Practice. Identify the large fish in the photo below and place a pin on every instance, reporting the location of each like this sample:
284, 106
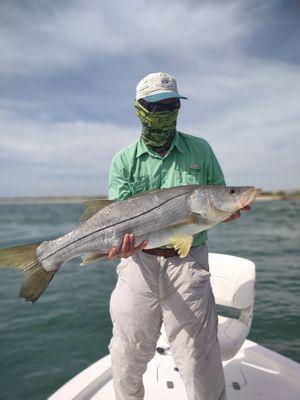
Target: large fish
162, 217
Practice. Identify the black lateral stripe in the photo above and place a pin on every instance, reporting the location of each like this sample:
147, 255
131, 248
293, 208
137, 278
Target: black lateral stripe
99, 230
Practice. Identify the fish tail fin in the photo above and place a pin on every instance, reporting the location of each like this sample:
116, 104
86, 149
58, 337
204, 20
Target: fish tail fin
23, 258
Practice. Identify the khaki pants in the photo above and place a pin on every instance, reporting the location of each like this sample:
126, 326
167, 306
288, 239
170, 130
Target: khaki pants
153, 289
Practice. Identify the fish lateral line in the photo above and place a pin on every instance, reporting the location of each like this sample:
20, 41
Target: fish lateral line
110, 226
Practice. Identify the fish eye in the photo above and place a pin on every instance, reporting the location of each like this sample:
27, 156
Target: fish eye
231, 191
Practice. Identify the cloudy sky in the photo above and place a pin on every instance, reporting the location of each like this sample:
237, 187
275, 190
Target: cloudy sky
69, 68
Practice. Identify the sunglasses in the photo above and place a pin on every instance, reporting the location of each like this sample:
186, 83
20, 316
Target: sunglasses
158, 106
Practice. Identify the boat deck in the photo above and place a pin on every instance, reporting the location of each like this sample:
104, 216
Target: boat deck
255, 373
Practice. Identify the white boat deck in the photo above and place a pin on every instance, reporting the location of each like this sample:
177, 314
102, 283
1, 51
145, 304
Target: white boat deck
255, 373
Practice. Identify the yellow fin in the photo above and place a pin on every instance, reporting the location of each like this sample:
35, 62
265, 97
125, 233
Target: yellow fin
93, 206
90, 258
182, 244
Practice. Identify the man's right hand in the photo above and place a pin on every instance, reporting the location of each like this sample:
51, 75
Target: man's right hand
127, 247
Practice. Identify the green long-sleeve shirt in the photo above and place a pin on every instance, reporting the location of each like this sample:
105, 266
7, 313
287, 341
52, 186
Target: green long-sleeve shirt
189, 160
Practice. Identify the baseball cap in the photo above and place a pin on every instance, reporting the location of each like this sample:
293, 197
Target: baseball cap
157, 86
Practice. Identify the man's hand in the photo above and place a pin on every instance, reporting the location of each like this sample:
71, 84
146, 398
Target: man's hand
237, 214
127, 247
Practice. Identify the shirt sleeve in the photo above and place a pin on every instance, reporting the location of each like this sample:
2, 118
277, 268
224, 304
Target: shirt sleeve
214, 172
118, 186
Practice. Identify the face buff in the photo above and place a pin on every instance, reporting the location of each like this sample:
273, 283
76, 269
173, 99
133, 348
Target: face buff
158, 128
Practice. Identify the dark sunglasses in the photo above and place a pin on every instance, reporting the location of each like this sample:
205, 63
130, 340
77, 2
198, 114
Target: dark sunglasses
158, 106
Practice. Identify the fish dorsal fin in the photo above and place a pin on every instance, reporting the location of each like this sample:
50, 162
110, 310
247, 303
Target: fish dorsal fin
89, 258
182, 243
93, 206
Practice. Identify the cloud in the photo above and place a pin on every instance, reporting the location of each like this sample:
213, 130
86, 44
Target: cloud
251, 118
44, 37
69, 70
65, 158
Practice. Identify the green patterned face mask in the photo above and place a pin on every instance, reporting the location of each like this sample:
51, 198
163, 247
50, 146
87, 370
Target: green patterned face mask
158, 128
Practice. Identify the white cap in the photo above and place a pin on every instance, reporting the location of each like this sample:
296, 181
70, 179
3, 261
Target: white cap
157, 86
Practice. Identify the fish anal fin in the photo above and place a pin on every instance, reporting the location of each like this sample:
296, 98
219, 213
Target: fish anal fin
93, 206
89, 258
182, 244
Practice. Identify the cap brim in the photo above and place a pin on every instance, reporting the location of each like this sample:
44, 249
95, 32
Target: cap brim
162, 96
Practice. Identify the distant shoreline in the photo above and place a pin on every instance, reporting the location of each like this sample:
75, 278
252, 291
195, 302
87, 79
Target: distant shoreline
280, 196
47, 200
268, 197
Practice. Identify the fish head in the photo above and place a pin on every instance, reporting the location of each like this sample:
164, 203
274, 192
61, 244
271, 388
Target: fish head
230, 199
219, 202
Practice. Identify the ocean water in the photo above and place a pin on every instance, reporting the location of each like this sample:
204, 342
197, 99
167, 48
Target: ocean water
42, 345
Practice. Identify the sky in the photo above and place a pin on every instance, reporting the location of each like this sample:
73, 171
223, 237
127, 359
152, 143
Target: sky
69, 69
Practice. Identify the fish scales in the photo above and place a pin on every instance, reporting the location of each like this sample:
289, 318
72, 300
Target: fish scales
151, 223
92, 235
119, 212
114, 215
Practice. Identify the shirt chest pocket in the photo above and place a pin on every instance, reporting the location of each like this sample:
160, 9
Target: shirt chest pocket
191, 177
143, 184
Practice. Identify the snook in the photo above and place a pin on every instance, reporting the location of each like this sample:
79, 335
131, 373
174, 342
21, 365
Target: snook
162, 217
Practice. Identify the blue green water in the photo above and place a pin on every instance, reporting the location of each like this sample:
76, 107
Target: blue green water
42, 345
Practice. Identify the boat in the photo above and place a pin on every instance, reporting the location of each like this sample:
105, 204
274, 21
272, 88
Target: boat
252, 372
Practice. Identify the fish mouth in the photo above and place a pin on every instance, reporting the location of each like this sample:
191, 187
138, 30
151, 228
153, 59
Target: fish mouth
248, 197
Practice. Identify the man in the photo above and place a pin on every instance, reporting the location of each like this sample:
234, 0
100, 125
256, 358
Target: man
156, 285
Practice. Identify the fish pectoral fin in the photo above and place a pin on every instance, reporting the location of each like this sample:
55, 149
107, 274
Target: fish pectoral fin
93, 206
182, 244
89, 258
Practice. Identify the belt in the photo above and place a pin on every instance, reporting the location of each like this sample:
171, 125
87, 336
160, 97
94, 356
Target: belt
162, 252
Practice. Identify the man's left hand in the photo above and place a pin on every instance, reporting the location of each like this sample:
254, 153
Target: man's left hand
237, 214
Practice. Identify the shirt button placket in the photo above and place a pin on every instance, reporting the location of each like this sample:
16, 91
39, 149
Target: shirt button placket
162, 173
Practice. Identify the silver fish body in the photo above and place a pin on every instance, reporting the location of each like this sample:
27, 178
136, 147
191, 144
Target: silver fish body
162, 217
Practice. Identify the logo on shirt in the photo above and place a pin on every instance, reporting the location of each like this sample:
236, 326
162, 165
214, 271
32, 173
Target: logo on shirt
195, 166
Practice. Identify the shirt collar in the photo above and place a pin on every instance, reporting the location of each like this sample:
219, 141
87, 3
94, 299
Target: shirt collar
142, 148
